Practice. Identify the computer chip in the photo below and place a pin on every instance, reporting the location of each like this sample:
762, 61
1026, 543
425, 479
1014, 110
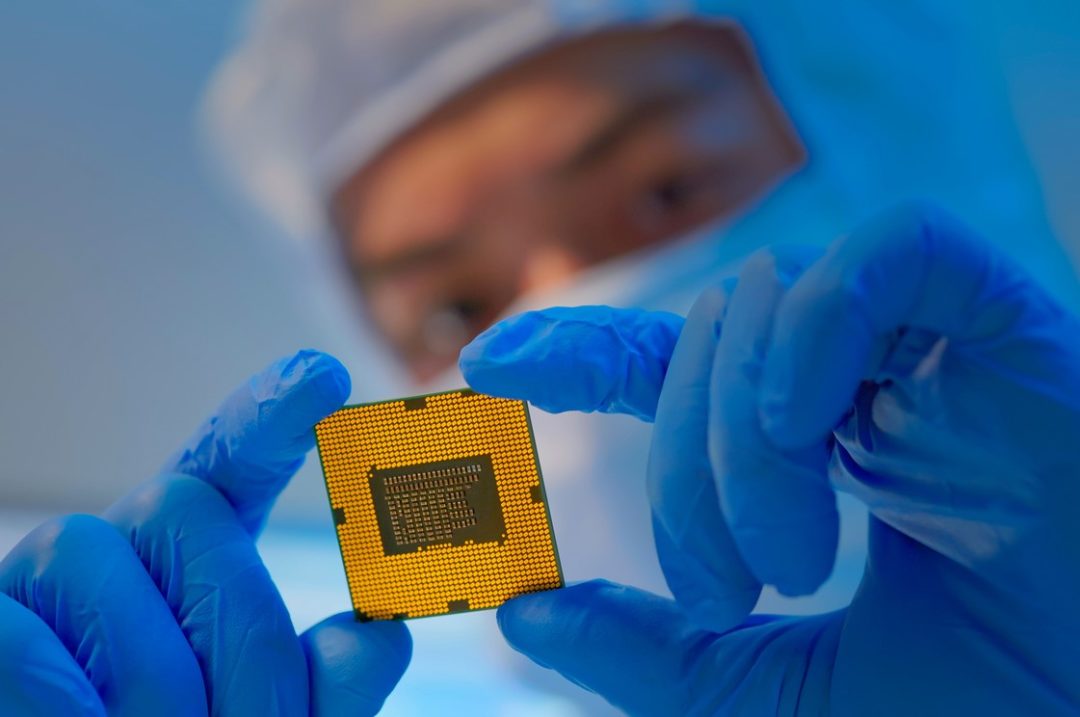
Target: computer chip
439, 504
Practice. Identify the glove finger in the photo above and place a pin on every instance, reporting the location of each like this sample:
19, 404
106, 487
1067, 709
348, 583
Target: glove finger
588, 358
778, 504
642, 654
352, 666
913, 267
257, 439
89, 588
37, 674
701, 563
624, 644
205, 564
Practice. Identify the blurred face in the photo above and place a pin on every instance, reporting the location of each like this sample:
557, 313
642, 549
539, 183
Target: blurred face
591, 150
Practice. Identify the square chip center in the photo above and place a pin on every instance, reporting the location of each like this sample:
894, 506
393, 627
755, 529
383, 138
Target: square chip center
453, 502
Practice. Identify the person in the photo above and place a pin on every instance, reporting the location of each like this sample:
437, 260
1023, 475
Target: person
456, 162
867, 128
911, 364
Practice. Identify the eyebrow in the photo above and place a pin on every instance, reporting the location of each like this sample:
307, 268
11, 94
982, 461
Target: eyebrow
600, 145
369, 271
603, 142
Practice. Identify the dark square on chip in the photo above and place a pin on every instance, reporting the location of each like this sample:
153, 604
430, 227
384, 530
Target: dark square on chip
447, 502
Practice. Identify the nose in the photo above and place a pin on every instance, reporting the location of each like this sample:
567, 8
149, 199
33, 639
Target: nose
547, 266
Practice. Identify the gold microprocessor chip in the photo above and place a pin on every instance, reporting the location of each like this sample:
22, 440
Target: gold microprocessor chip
439, 504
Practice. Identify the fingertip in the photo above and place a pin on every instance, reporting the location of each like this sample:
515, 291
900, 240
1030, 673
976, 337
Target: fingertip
632, 648
535, 623
519, 618
490, 361
475, 365
472, 354
504, 338
708, 578
796, 558
353, 666
585, 358
288, 399
324, 375
341, 637
394, 641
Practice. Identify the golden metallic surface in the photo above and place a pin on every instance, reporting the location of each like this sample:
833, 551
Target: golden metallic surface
360, 445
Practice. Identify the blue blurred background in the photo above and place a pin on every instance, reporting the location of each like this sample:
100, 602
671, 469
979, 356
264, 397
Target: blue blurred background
136, 289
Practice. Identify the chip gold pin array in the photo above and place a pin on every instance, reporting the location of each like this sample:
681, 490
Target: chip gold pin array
439, 504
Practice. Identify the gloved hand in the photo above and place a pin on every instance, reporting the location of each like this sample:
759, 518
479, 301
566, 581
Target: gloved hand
910, 365
164, 606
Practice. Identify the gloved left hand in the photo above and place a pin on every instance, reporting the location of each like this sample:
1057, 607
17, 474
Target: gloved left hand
164, 606
912, 366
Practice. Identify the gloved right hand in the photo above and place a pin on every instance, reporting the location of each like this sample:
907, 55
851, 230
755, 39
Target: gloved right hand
164, 606
911, 366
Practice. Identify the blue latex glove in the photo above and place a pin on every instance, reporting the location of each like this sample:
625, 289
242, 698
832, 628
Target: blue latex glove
164, 606
912, 366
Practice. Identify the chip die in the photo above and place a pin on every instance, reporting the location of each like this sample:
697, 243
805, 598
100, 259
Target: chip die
438, 503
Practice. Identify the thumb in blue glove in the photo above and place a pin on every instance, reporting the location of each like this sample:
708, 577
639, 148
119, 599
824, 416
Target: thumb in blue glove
961, 443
